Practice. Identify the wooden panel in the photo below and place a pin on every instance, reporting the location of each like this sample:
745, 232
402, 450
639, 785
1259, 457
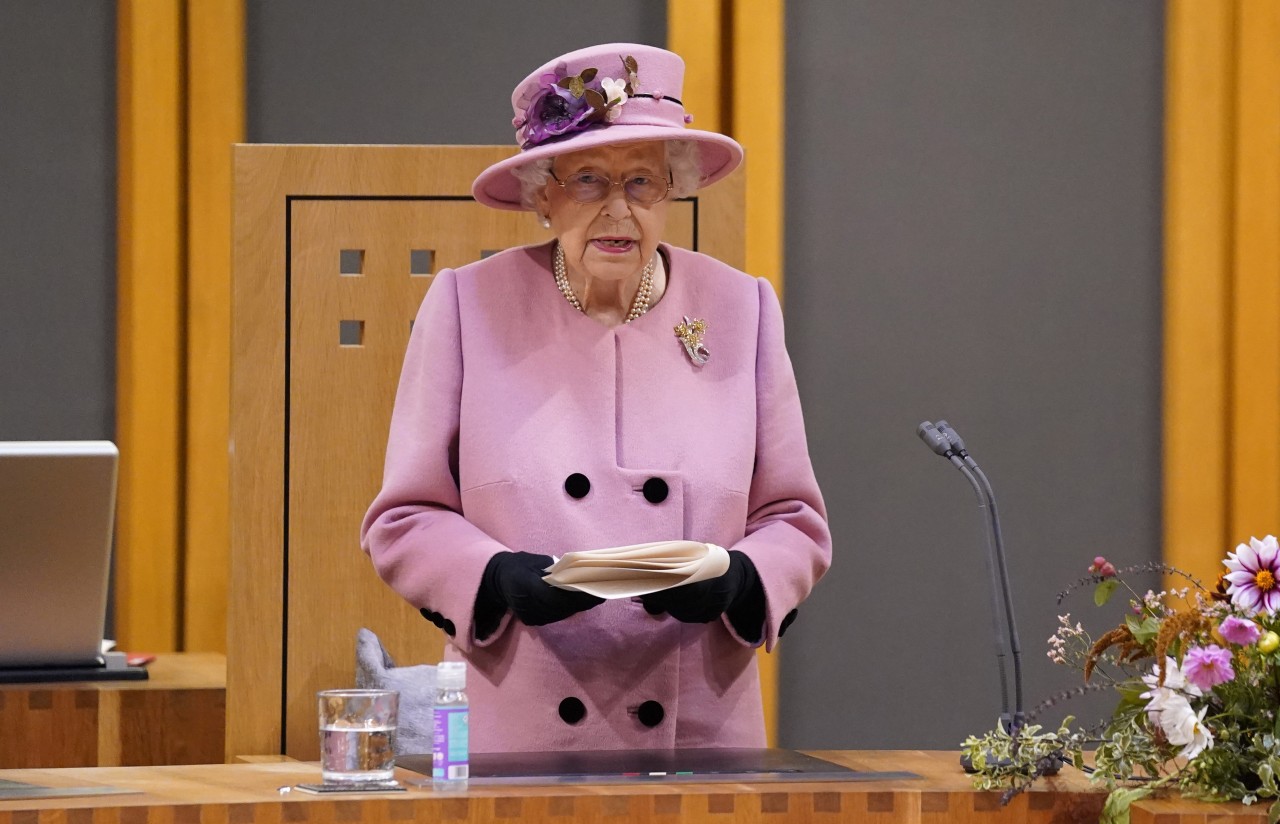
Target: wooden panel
339, 402
215, 118
734, 64
759, 66
43, 726
340, 411
148, 323
1198, 213
695, 31
175, 717
265, 176
1255, 465
721, 230
759, 69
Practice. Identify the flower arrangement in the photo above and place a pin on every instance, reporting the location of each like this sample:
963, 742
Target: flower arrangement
562, 104
1197, 672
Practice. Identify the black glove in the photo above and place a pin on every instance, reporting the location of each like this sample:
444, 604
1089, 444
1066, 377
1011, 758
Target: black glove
513, 580
737, 592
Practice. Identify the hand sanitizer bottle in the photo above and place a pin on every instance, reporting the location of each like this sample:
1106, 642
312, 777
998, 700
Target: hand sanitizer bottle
450, 749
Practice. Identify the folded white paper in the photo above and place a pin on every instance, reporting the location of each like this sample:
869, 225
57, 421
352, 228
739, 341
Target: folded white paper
629, 571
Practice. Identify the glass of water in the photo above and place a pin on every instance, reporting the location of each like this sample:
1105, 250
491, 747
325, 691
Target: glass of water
357, 735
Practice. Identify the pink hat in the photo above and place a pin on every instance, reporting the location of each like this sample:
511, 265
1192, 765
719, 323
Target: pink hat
616, 93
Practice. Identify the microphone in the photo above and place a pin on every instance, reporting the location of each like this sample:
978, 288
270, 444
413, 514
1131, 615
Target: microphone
946, 442
996, 544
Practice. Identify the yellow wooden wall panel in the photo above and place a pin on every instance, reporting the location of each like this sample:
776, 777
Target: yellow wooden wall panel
755, 85
694, 31
215, 117
1255, 483
758, 71
1198, 237
734, 67
149, 322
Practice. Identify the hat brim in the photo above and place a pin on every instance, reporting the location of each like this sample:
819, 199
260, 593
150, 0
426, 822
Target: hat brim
498, 187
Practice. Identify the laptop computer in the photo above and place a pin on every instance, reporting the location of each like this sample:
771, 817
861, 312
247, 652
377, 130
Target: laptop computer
57, 512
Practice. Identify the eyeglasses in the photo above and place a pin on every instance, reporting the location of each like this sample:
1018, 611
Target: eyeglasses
592, 187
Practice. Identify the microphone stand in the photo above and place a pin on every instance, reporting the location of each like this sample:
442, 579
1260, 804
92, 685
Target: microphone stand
944, 440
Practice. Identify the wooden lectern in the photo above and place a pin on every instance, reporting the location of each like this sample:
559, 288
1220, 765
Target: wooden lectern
334, 248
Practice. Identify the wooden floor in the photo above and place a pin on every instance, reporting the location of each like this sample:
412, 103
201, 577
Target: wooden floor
245, 793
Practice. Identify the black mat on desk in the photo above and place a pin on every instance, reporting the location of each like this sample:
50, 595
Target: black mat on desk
626, 766
62, 675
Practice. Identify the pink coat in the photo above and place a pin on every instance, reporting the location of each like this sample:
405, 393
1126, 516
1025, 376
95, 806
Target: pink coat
506, 392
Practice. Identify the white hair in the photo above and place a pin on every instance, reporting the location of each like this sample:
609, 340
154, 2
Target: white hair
683, 158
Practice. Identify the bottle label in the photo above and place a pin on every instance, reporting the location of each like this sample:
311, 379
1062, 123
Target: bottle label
450, 744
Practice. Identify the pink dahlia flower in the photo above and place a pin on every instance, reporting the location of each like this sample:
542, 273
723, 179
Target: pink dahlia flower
1254, 579
1239, 631
1207, 667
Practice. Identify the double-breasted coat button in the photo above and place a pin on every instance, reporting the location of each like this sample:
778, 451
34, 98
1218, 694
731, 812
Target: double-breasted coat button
572, 710
440, 621
577, 485
655, 490
650, 713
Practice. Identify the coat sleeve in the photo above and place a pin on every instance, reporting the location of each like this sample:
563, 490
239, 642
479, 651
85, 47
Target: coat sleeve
787, 538
414, 531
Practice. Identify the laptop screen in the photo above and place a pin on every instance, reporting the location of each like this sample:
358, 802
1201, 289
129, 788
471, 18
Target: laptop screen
57, 512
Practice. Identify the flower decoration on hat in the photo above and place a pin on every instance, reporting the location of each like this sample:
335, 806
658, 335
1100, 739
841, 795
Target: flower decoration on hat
562, 104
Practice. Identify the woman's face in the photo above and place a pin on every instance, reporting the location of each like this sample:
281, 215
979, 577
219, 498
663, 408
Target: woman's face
611, 239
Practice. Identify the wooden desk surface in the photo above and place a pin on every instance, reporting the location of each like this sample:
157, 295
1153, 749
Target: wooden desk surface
177, 716
248, 794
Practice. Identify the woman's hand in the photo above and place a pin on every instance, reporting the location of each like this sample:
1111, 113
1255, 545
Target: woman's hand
737, 592
515, 578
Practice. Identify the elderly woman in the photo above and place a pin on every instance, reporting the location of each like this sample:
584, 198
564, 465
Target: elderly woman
600, 390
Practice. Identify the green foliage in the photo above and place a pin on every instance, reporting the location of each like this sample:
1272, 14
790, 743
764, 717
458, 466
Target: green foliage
1116, 810
1234, 753
1102, 593
1144, 630
1005, 764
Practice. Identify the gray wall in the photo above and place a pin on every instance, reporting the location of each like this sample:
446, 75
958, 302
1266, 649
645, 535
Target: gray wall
415, 71
973, 233
57, 220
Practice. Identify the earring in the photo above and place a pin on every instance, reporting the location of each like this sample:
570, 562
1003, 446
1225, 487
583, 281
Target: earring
545, 221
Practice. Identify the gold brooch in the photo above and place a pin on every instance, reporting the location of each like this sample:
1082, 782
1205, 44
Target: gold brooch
690, 334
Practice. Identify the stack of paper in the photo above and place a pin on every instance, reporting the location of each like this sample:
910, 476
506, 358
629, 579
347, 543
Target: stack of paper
629, 571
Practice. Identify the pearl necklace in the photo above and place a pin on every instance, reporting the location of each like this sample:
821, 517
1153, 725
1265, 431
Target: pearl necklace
639, 305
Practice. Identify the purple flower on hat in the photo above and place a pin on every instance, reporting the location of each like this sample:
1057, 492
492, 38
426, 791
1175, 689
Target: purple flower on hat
560, 104
552, 111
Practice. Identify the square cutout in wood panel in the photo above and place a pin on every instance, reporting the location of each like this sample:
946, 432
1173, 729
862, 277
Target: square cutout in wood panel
351, 333
422, 262
351, 263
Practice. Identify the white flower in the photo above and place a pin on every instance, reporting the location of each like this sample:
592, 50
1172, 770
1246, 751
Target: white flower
614, 91
1169, 709
1174, 680
1192, 732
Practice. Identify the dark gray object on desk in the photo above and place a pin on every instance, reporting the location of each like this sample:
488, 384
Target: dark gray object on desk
710, 765
16, 790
